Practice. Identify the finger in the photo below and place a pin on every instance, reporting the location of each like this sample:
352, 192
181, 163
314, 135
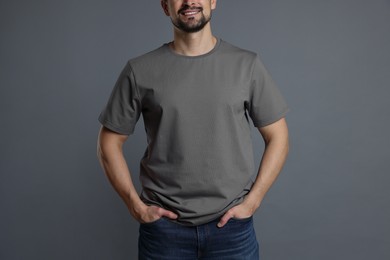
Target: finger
168, 214
222, 222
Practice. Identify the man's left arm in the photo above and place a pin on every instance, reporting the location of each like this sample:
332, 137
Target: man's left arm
275, 153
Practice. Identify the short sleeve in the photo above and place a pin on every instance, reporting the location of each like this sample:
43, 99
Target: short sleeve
123, 108
266, 104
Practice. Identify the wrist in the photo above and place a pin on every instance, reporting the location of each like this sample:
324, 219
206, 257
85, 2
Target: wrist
252, 201
135, 204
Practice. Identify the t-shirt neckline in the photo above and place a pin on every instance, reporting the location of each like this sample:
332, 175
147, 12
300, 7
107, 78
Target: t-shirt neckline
166, 45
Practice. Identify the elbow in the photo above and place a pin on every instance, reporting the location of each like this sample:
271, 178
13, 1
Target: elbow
100, 152
109, 145
285, 142
287, 146
101, 147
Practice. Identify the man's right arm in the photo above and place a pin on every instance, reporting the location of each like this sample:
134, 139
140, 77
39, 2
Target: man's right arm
110, 154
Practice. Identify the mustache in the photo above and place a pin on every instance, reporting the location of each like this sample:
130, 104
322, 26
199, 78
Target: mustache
187, 7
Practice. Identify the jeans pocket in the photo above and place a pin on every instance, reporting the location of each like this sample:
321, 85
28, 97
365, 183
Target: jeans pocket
153, 222
248, 219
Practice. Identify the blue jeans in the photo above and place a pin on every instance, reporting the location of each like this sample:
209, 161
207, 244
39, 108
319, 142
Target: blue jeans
164, 239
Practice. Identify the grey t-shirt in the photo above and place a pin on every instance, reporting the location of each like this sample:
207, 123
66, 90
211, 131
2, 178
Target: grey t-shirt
199, 161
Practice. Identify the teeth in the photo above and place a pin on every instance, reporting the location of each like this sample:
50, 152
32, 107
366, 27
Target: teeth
190, 13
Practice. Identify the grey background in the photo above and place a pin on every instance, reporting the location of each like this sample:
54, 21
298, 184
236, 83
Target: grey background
60, 59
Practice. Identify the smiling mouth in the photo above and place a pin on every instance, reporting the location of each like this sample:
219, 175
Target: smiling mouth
190, 11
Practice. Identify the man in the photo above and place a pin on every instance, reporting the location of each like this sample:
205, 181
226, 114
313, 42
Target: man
197, 95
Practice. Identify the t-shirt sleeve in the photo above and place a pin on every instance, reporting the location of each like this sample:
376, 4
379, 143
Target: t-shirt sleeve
266, 104
123, 108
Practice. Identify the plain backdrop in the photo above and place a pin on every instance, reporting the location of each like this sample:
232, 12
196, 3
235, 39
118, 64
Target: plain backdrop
60, 59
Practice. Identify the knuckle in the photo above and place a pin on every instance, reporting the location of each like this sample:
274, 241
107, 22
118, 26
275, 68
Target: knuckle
159, 211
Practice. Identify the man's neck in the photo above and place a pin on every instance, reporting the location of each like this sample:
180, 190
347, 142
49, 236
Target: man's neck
193, 44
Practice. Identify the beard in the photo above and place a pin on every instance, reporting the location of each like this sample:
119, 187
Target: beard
192, 25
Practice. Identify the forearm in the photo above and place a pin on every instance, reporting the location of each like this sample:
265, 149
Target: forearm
272, 162
274, 156
119, 176
115, 167
275, 153
114, 164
